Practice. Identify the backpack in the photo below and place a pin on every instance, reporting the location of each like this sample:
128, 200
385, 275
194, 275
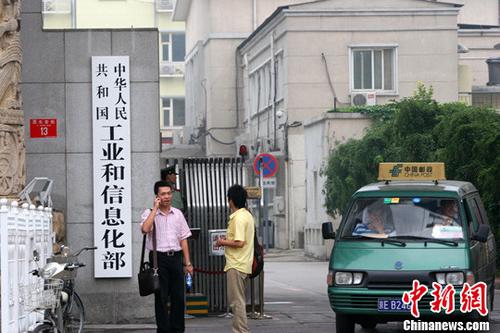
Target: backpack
258, 257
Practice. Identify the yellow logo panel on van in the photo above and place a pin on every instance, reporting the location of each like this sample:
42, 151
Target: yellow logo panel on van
411, 171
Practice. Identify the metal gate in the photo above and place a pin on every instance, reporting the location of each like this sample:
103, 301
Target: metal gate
205, 182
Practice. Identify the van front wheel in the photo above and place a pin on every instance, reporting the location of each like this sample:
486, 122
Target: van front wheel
345, 324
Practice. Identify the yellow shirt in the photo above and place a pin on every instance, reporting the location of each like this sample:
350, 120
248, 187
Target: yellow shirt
241, 227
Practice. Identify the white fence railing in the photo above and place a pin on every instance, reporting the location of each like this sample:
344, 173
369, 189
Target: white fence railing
22, 230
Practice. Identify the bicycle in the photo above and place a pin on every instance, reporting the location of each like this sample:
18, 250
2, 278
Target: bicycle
62, 306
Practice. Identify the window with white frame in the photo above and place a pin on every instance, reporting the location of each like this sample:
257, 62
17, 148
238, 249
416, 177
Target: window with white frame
173, 112
260, 88
373, 68
173, 46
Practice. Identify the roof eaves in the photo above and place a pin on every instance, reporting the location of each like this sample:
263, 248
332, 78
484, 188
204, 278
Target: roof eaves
445, 3
262, 26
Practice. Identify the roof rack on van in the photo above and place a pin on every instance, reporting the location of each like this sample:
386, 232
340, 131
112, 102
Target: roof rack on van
432, 171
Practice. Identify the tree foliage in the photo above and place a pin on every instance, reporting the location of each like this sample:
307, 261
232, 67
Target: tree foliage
418, 129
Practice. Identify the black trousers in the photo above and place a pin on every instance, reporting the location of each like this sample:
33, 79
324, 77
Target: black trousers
171, 273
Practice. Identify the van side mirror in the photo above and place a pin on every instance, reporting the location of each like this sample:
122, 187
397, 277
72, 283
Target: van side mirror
327, 230
482, 233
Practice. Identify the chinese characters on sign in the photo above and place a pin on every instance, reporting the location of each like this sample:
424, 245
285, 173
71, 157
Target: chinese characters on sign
43, 128
411, 171
111, 157
471, 298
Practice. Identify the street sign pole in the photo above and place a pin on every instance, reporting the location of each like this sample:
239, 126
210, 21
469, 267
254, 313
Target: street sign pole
261, 201
260, 168
266, 222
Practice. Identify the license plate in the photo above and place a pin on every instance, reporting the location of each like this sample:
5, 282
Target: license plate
392, 305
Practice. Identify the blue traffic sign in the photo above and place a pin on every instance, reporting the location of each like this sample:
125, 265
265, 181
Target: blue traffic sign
268, 163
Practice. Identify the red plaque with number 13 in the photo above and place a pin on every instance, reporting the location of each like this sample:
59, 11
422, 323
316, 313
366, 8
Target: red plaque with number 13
43, 128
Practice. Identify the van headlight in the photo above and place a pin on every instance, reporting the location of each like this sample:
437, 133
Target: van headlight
454, 278
348, 278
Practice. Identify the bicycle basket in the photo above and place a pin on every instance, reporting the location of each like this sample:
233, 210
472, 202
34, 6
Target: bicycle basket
41, 295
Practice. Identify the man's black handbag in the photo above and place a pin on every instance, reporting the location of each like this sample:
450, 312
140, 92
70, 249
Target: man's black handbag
149, 280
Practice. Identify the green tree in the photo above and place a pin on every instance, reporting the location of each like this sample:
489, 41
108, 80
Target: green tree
418, 129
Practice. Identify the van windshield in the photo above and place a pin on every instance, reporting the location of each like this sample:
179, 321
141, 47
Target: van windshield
407, 218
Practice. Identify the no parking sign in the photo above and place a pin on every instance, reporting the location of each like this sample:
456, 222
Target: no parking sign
269, 165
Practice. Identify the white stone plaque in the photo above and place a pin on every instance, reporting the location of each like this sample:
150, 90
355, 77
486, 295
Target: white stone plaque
111, 157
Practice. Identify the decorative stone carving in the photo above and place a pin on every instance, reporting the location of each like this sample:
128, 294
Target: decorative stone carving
12, 160
12, 150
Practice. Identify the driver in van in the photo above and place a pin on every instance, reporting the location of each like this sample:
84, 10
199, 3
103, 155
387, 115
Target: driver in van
377, 219
449, 210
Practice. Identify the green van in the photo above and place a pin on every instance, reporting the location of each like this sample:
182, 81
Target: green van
413, 225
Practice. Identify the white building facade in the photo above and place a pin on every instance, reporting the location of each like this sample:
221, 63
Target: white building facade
296, 64
258, 71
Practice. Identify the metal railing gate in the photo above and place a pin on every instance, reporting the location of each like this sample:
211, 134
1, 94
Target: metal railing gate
205, 182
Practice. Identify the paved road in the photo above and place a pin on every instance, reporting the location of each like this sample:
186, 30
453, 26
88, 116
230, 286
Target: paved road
295, 298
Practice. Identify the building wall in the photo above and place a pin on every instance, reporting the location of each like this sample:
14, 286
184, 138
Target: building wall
321, 136
481, 45
124, 14
56, 83
425, 43
197, 24
115, 14
484, 12
426, 49
214, 29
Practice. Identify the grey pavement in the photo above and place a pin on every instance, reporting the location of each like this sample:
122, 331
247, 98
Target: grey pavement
295, 300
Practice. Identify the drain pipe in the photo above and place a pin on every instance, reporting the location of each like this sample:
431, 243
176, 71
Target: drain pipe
273, 89
254, 16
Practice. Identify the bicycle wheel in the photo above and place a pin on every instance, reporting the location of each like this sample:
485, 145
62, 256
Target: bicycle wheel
74, 315
44, 328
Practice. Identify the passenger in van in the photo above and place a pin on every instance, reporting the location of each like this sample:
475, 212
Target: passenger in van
376, 220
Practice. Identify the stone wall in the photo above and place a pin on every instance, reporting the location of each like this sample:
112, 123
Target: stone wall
56, 84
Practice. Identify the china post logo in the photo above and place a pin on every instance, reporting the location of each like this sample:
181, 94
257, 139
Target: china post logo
396, 170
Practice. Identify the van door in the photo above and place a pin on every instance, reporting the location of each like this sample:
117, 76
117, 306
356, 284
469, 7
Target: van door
490, 246
483, 257
476, 248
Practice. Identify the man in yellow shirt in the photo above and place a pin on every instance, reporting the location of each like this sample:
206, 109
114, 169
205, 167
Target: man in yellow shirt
239, 254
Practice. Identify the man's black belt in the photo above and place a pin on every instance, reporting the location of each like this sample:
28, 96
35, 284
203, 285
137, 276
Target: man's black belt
169, 253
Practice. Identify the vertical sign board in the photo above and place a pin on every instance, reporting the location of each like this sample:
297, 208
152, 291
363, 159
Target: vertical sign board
111, 156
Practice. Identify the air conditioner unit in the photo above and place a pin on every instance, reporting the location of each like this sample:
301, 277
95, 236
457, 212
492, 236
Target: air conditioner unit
56, 6
167, 68
365, 98
172, 68
164, 5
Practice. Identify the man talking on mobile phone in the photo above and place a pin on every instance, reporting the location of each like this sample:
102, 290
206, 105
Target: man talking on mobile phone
172, 249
